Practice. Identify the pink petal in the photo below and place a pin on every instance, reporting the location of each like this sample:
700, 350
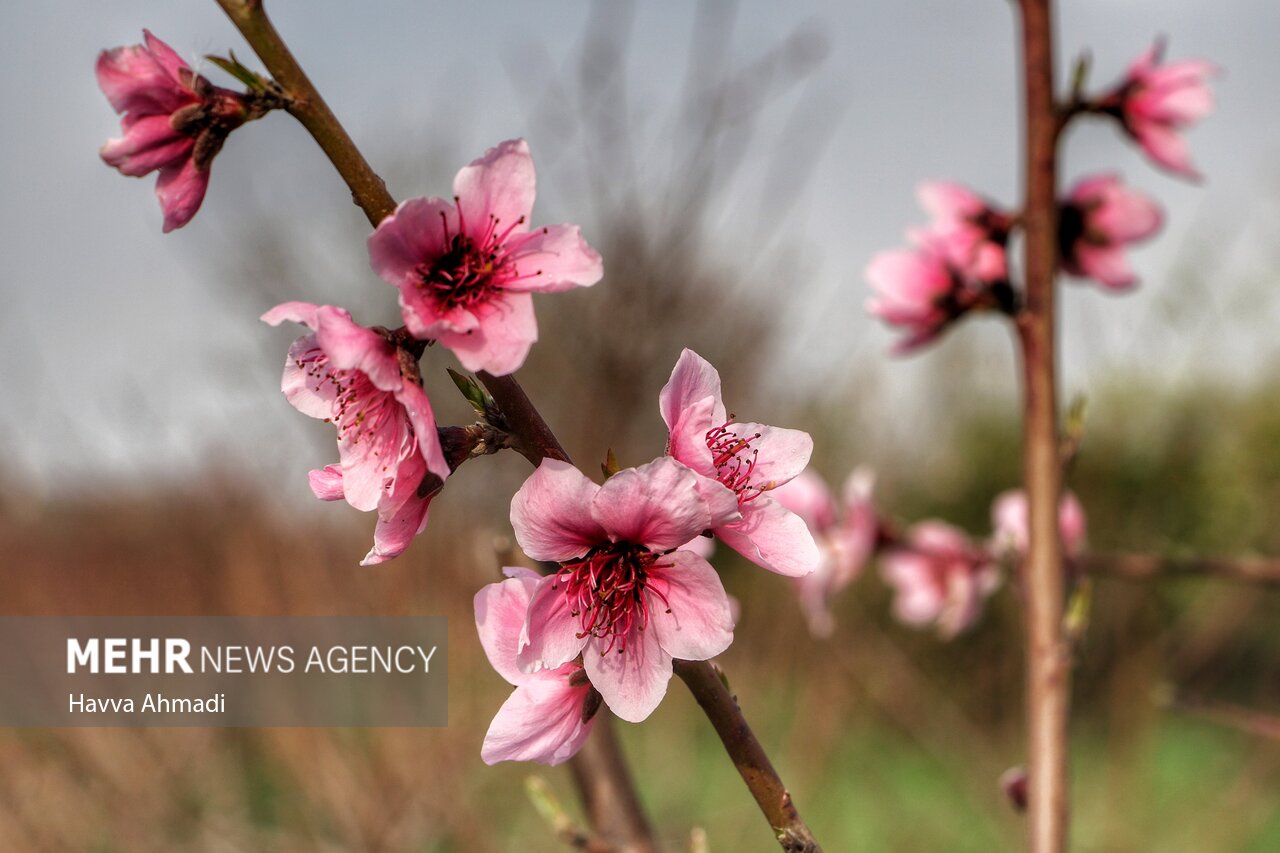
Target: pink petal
551, 513
166, 56
295, 312
550, 636
772, 537
555, 258
808, 497
1126, 215
500, 185
326, 483
500, 343
415, 233
311, 394
661, 505
688, 607
1167, 148
136, 81
418, 409
949, 201
351, 346
500, 610
918, 598
181, 189
148, 144
783, 453
908, 281
631, 681
687, 441
403, 518
1107, 265
692, 380
541, 721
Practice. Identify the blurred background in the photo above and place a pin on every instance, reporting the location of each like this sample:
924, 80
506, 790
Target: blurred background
736, 164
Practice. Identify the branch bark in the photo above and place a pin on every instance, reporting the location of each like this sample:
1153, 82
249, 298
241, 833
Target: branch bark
721, 708
599, 769
1047, 654
1148, 566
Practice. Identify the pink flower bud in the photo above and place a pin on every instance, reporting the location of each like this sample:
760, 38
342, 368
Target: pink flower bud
1098, 219
1155, 102
175, 122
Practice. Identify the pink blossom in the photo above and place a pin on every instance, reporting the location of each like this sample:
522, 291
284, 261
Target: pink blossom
750, 459
467, 271
951, 270
846, 535
389, 450
940, 577
954, 205
1009, 518
1156, 101
625, 597
1098, 219
174, 122
550, 713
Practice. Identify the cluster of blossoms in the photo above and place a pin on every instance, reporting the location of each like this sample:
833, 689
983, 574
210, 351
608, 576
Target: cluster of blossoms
941, 577
631, 590
957, 263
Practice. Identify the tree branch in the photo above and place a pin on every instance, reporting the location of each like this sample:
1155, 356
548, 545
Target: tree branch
1048, 657
721, 708
1148, 566
604, 782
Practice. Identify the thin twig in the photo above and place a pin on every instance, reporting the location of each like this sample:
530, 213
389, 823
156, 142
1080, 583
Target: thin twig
599, 769
1149, 566
1048, 657
721, 708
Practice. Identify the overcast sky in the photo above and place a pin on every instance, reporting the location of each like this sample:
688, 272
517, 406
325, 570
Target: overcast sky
122, 358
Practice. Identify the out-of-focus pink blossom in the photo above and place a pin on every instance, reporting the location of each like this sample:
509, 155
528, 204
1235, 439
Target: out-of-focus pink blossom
626, 597
1156, 101
1098, 220
174, 122
950, 270
954, 205
940, 578
846, 537
389, 450
549, 715
466, 271
1009, 520
748, 458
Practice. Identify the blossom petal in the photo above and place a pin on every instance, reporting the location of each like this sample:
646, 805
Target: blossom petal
692, 380
773, 537
540, 721
631, 678
550, 636
326, 483
688, 607
500, 610
415, 233
555, 258
661, 505
497, 188
551, 513
782, 453
506, 332
181, 188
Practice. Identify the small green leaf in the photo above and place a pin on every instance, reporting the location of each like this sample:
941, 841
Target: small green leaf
474, 394
610, 465
233, 67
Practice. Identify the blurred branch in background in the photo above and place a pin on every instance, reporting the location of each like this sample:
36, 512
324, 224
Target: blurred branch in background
1149, 567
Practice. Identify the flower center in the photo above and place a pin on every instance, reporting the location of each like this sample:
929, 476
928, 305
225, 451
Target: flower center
735, 460
474, 265
606, 591
361, 411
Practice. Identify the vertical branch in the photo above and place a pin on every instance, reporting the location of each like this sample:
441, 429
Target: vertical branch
1048, 662
599, 769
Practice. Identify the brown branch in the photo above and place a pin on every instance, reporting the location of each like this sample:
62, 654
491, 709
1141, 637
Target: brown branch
721, 708
599, 769
1147, 566
1048, 656
1247, 720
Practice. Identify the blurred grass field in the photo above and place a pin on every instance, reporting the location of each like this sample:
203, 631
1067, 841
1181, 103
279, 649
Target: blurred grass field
890, 739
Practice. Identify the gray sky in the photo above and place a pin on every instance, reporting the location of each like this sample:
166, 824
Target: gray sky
123, 357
